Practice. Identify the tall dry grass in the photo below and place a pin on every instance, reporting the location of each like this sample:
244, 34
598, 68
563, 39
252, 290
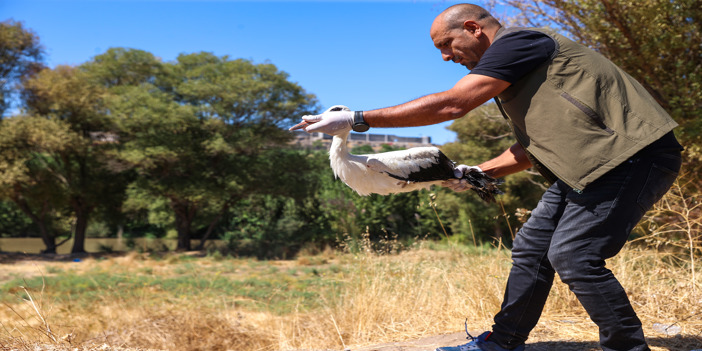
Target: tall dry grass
381, 297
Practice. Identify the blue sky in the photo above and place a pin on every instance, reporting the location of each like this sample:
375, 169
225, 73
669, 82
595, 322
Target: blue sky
363, 54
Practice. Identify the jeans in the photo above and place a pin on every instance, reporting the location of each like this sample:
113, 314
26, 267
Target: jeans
573, 234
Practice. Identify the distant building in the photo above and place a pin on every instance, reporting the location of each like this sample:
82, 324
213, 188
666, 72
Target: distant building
321, 140
104, 137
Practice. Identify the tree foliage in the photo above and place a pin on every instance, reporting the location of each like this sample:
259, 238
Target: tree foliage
203, 132
31, 172
67, 96
21, 56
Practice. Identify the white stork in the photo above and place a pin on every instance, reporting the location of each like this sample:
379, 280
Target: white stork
400, 171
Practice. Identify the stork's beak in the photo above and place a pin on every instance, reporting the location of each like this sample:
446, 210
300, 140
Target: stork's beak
300, 125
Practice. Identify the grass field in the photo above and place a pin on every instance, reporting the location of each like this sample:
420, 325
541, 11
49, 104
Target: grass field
322, 301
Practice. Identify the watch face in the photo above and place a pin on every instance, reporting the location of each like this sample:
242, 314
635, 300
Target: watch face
360, 127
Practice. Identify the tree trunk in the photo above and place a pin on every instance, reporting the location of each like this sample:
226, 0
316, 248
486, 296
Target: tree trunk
120, 234
210, 228
183, 227
79, 235
46, 235
81, 225
184, 213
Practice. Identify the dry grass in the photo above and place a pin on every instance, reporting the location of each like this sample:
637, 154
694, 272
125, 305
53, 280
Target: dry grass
374, 298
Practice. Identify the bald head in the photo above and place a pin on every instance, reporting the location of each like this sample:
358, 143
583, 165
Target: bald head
454, 16
463, 32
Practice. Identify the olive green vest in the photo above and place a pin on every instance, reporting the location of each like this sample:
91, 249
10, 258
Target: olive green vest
579, 115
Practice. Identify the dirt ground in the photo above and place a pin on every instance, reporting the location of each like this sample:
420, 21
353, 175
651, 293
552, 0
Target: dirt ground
432, 342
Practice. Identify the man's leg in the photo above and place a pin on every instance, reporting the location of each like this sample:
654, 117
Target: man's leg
531, 276
594, 227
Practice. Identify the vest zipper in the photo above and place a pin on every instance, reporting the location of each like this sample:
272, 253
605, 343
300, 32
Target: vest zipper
590, 113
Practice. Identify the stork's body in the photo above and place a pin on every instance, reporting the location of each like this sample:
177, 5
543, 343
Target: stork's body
399, 171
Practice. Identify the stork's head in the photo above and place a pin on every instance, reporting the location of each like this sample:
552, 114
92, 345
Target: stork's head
336, 108
338, 148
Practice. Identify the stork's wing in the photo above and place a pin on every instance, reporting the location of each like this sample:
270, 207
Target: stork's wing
418, 164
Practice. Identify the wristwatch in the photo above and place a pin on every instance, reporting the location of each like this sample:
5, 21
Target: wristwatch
359, 124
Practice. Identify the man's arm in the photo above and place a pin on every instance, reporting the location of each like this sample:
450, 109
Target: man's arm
470, 92
511, 161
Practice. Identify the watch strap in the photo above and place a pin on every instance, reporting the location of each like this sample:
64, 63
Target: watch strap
358, 117
359, 124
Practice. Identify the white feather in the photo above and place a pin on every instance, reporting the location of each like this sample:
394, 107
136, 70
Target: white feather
368, 174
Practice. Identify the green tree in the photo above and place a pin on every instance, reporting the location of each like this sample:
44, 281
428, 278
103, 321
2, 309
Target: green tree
14, 223
31, 174
278, 224
21, 56
85, 171
203, 132
362, 149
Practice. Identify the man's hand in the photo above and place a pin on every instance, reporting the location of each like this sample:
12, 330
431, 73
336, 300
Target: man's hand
460, 184
336, 120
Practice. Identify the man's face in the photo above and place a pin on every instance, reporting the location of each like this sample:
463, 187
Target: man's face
459, 45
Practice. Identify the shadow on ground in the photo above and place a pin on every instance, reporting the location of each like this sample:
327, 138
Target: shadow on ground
672, 343
677, 342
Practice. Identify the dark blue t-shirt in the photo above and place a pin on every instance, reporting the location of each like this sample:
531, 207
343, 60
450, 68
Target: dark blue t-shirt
515, 54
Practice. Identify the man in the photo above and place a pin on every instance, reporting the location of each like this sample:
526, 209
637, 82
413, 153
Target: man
594, 132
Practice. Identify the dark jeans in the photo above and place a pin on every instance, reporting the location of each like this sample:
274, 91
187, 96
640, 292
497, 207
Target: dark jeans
573, 234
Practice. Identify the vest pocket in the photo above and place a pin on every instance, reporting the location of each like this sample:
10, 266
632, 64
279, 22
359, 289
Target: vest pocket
594, 117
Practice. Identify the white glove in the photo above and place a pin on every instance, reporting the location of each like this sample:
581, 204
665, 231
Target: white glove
460, 184
336, 120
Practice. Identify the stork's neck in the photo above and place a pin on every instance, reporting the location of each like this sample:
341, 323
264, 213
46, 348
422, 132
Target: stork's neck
338, 146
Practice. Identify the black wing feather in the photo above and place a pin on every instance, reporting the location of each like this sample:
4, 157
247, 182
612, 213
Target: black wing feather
442, 169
